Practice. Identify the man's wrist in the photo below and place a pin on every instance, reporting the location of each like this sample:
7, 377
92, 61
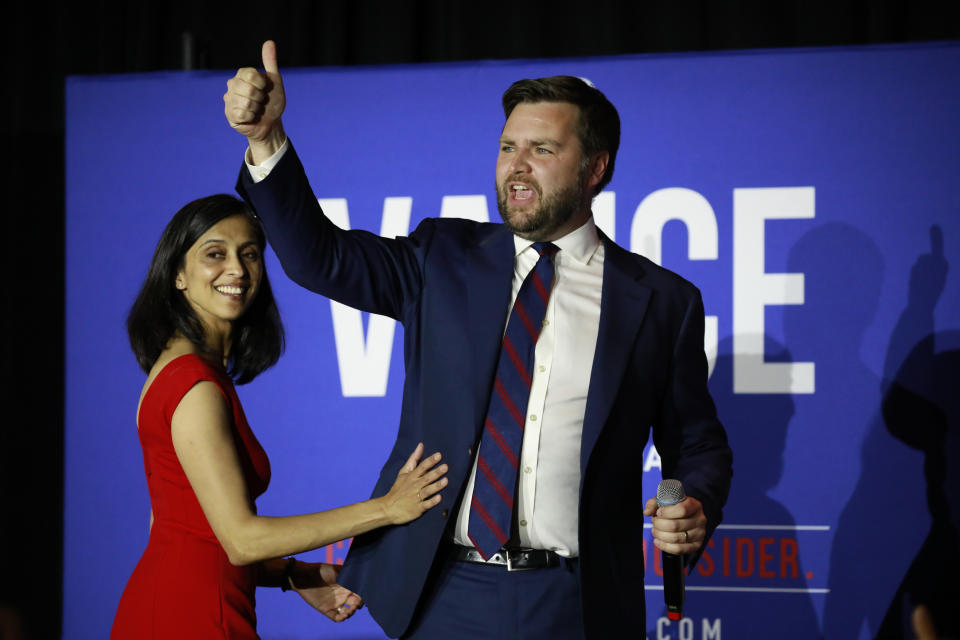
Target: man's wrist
262, 150
260, 171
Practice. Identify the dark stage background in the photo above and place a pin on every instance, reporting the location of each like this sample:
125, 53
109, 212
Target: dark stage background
46, 42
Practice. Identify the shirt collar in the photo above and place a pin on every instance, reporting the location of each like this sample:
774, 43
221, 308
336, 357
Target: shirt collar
580, 244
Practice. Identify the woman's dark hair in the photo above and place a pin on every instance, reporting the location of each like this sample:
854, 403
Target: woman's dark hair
160, 311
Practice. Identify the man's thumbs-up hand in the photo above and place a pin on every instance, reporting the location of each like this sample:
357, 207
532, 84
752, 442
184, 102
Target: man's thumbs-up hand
254, 102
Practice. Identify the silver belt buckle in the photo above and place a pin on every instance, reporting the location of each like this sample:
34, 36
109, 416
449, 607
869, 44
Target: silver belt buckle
510, 567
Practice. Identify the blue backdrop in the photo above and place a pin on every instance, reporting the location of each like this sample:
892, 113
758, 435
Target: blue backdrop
810, 194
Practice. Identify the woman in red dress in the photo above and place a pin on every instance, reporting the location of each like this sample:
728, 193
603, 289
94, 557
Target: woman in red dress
205, 317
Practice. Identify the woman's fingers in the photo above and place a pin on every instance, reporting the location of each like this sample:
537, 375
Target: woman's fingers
411, 462
427, 463
432, 488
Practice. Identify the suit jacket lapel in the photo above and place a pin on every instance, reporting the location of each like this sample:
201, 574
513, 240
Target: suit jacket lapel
623, 304
489, 280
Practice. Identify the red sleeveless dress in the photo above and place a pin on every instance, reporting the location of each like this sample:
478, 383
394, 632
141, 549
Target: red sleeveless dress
184, 587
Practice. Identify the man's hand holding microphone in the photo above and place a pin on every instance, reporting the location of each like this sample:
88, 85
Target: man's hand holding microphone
679, 528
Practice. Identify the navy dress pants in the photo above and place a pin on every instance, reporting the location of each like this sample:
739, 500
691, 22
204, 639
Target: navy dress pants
468, 601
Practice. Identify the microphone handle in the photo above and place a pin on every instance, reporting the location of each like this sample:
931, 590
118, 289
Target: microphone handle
673, 584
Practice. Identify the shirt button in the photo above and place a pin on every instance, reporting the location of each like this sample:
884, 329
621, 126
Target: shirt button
528, 469
523, 523
533, 417
545, 322
542, 368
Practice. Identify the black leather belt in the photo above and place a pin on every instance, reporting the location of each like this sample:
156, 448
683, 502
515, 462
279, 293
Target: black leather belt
512, 559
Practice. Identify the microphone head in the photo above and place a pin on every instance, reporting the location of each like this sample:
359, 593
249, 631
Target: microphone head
670, 492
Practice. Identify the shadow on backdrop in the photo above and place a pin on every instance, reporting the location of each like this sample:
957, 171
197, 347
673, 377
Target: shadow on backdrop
921, 408
883, 524
757, 426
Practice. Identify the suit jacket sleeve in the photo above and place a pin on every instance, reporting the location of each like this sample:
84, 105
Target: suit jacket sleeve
357, 268
690, 439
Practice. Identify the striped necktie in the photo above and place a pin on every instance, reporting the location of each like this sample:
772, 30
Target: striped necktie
491, 508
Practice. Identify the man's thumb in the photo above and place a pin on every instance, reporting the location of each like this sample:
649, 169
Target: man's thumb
269, 54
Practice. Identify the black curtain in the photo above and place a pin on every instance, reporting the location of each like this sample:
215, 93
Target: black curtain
47, 41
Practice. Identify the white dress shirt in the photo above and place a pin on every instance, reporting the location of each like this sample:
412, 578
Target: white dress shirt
547, 511
549, 474
260, 171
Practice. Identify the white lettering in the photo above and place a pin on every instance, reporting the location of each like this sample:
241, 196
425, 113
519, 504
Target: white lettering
364, 361
396, 217
661, 624
711, 631
711, 339
605, 213
675, 203
753, 289
364, 364
646, 238
652, 461
469, 207
336, 211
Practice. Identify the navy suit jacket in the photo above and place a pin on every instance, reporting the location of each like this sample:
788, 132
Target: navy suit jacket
449, 284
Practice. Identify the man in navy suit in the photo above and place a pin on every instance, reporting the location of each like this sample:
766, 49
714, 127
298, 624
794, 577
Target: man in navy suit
620, 354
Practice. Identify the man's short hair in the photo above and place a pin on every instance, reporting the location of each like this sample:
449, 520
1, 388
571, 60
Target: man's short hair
598, 127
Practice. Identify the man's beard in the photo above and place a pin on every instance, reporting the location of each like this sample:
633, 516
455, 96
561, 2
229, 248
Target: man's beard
550, 215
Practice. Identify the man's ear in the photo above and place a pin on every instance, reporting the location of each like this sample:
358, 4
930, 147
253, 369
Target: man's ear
597, 168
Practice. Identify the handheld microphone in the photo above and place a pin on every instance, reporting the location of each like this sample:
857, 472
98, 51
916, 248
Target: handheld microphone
671, 492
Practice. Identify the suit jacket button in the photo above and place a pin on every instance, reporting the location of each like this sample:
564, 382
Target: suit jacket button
469, 451
444, 513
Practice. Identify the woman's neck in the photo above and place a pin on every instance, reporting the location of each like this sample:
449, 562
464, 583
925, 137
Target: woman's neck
217, 341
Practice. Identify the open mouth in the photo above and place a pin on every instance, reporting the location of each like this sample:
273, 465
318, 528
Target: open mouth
521, 192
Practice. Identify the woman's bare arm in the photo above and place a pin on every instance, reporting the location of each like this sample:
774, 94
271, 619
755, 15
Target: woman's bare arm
202, 438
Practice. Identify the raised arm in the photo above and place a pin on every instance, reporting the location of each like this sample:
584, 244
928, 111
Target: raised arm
202, 438
357, 268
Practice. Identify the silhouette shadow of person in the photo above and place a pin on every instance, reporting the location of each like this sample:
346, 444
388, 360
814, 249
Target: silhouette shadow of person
757, 426
921, 408
747, 558
880, 537
869, 552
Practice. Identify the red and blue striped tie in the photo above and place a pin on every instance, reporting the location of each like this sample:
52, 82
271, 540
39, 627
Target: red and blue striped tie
491, 509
